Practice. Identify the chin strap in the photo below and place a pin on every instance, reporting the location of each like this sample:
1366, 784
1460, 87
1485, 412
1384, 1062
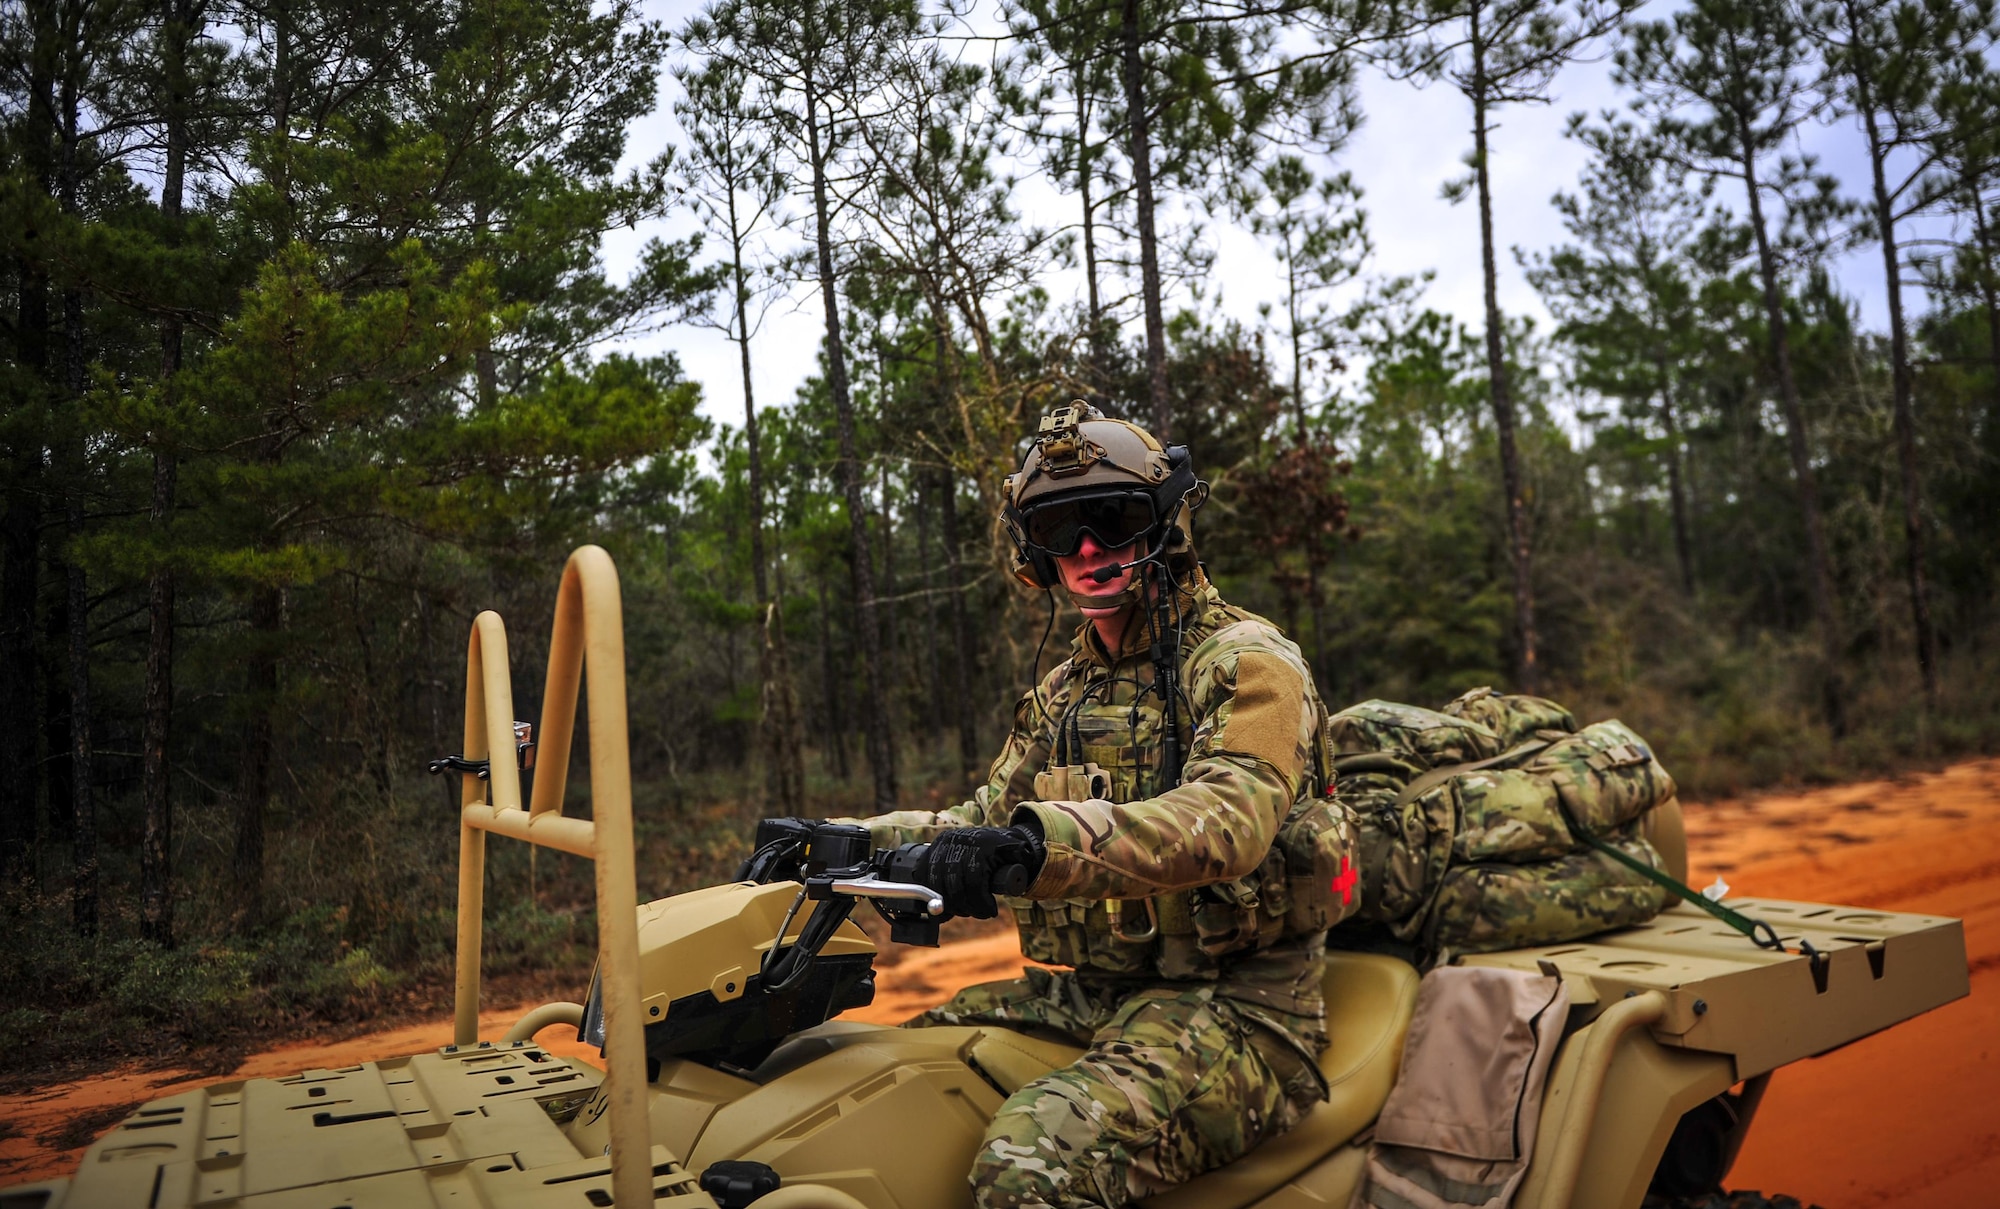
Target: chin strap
1133, 593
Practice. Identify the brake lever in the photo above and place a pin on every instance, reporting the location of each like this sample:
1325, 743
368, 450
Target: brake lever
870, 886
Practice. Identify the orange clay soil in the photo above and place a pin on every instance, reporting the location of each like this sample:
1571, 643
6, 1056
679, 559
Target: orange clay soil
1906, 1118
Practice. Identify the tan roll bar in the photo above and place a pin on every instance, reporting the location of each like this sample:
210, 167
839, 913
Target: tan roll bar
589, 631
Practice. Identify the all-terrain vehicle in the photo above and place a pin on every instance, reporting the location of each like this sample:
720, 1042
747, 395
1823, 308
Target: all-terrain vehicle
728, 1080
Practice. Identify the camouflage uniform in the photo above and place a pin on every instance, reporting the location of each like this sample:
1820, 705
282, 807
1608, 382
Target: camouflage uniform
1201, 1015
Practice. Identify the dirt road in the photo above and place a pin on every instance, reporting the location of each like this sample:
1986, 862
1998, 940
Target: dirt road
1908, 1117
1905, 1119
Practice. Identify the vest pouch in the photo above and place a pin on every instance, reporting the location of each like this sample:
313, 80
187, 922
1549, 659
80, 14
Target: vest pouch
1054, 931
1072, 783
1105, 949
1226, 916
1606, 776
1321, 865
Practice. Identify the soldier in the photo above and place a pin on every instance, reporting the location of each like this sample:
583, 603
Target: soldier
1144, 787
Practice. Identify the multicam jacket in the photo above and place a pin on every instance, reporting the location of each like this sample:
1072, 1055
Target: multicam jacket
1147, 878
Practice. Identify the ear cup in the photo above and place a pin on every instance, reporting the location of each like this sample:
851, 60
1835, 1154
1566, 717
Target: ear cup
1171, 493
1033, 566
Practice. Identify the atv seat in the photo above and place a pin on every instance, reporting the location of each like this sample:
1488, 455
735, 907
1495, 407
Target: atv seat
1369, 999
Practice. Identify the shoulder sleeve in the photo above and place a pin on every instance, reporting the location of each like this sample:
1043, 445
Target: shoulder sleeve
1254, 712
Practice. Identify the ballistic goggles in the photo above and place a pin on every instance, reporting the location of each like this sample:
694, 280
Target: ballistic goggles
1115, 519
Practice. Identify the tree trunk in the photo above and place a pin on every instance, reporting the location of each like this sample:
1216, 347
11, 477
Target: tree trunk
836, 734
1986, 293
485, 366
20, 572
751, 436
785, 774
874, 715
83, 802
1676, 488
54, 667
1316, 614
926, 629
156, 851
892, 662
156, 845
1083, 174
1905, 416
1677, 492
1520, 553
961, 626
266, 620
253, 782
1298, 332
1141, 155
1824, 604
777, 714
24, 488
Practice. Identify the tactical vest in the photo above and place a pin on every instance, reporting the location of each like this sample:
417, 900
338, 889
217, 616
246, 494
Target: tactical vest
1105, 741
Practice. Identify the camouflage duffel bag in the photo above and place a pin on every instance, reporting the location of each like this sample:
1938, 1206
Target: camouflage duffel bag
1472, 821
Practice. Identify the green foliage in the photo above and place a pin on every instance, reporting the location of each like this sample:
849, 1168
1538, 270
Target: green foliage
130, 996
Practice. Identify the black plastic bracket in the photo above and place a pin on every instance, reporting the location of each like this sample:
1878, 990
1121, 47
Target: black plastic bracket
736, 1183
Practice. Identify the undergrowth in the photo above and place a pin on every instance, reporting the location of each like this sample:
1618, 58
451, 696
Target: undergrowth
351, 933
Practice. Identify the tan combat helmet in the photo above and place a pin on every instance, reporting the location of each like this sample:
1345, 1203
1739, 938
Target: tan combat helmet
1086, 473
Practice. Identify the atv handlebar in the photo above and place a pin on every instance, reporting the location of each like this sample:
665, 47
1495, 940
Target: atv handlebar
840, 861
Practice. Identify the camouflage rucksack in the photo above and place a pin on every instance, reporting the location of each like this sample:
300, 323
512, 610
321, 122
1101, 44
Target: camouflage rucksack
1469, 822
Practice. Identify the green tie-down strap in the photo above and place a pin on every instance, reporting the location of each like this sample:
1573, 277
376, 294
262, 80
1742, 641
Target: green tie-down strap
1761, 934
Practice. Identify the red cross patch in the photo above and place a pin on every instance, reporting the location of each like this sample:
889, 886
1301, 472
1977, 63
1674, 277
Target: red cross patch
1345, 882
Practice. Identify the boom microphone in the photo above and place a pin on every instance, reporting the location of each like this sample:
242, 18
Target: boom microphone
1103, 574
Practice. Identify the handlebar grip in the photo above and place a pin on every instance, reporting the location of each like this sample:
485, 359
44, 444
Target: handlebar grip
1012, 880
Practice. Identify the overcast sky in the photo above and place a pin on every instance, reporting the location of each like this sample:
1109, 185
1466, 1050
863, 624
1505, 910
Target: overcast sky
1411, 141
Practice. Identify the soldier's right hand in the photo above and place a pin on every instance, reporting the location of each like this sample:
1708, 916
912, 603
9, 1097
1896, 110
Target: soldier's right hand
962, 863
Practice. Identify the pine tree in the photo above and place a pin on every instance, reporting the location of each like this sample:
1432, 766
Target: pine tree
1735, 67
818, 68
1885, 63
731, 179
1504, 52
1623, 294
1201, 90
1322, 238
1965, 143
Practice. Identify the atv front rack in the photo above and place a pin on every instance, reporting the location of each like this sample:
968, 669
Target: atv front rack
589, 630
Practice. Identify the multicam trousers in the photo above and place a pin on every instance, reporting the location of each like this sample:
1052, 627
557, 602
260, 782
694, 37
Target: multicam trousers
1175, 1081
